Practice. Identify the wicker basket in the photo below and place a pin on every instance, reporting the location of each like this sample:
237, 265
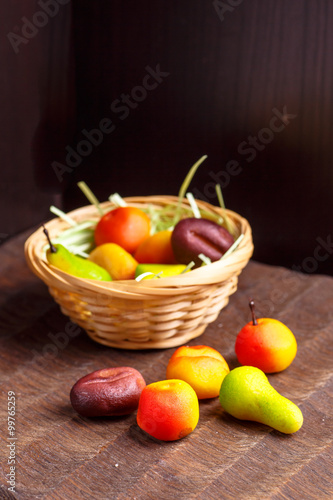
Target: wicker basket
151, 314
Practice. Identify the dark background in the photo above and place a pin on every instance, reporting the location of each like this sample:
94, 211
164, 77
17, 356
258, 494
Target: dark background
226, 69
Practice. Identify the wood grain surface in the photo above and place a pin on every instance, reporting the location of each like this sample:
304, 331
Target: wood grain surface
60, 455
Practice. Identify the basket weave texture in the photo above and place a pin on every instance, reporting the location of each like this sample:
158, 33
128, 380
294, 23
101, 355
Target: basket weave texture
151, 314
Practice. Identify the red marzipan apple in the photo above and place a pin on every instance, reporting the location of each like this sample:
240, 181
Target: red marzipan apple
128, 227
266, 344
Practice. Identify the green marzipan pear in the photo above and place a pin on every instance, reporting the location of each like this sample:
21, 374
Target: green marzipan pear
247, 394
61, 258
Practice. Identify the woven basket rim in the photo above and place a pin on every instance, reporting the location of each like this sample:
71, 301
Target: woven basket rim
206, 275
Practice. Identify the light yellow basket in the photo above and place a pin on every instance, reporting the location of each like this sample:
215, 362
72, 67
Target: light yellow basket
150, 314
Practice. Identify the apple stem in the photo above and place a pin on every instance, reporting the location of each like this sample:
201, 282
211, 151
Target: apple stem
254, 319
52, 248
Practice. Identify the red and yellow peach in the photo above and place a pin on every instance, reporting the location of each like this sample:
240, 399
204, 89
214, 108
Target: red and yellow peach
168, 410
201, 366
156, 249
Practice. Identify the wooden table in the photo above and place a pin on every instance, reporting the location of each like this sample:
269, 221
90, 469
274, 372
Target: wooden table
60, 455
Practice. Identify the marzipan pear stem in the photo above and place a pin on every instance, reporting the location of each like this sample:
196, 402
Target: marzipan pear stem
52, 248
254, 319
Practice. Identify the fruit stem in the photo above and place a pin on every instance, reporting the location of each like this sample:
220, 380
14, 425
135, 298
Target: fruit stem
254, 319
52, 248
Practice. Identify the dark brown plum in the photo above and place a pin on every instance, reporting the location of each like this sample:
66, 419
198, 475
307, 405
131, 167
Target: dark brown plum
192, 237
108, 392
